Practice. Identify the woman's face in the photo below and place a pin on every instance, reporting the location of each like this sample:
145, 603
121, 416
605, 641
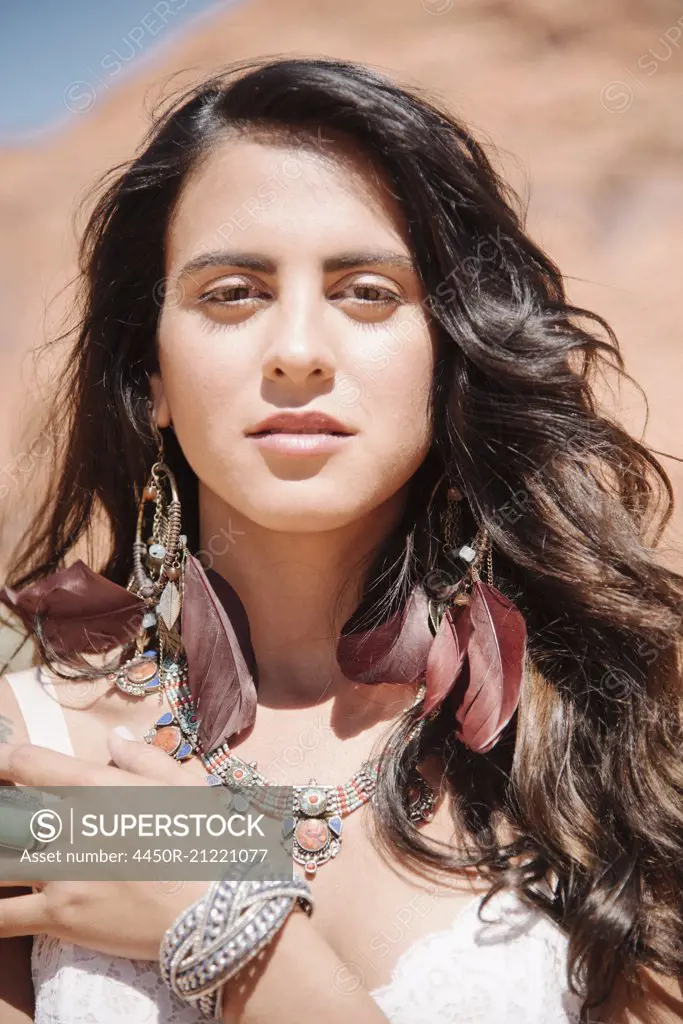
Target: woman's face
289, 287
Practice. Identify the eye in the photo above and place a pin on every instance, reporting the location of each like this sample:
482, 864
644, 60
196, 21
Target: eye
380, 295
216, 296
230, 306
378, 303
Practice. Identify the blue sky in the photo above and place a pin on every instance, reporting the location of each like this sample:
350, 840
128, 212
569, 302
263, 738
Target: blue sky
57, 56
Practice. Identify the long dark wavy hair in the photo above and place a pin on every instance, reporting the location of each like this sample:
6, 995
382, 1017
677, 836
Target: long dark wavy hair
587, 778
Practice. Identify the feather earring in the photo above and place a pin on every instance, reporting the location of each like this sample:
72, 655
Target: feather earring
397, 649
199, 614
477, 658
495, 655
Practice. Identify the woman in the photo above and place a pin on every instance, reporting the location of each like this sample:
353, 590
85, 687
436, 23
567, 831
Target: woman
308, 237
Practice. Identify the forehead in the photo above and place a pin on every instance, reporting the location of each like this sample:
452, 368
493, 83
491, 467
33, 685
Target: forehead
283, 194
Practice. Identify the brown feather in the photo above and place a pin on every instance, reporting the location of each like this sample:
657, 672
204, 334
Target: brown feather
80, 610
447, 656
495, 654
395, 651
221, 669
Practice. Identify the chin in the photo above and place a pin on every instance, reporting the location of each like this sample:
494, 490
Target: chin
303, 506
298, 519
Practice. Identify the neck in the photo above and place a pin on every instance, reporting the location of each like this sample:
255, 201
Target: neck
298, 589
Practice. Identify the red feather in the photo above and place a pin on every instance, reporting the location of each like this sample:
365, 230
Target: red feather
80, 610
395, 651
496, 662
220, 665
447, 656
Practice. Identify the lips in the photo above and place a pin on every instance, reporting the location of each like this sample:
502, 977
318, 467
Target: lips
264, 433
300, 423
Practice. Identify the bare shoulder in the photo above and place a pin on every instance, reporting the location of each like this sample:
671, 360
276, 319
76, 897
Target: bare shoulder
12, 725
70, 694
87, 706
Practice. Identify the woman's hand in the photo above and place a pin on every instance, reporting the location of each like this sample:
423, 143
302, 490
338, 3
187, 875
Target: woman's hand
118, 917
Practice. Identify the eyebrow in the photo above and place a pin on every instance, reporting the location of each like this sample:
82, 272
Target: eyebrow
256, 261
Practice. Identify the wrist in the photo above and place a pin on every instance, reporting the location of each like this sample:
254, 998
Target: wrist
222, 932
287, 950
175, 898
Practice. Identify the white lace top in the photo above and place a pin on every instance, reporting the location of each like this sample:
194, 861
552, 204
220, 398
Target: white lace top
509, 970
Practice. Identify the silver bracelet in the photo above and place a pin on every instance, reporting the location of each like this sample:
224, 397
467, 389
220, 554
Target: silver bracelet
218, 934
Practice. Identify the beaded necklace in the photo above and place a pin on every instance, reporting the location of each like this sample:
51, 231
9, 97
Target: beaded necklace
311, 814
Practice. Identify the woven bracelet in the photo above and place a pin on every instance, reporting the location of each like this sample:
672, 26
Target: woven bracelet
218, 934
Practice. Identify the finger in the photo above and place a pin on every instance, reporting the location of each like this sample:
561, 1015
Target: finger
15, 820
23, 915
31, 765
151, 762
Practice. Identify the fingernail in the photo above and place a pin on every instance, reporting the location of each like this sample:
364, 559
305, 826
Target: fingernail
124, 732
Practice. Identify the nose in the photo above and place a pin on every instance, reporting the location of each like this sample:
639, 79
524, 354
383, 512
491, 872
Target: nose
299, 350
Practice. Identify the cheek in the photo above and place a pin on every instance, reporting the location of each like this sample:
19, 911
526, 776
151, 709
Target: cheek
203, 390
188, 356
398, 369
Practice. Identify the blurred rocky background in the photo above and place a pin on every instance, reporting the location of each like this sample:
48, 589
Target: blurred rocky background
582, 102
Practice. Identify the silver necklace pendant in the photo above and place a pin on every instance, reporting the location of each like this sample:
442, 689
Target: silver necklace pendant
315, 827
138, 676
